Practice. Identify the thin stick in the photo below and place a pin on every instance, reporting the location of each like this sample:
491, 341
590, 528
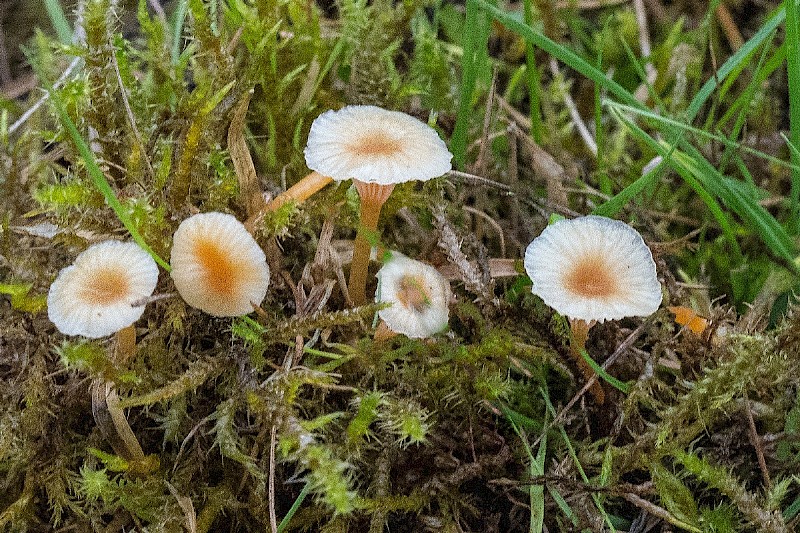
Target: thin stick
729, 28
657, 511
569, 103
273, 518
131, 117
31, 110
756, 440
492, 222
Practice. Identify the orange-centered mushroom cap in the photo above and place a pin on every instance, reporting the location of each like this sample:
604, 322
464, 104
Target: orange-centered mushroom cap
217, 266
418, 294
374, 145
593, 268
94, 296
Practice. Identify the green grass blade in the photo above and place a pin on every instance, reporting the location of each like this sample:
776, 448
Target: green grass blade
621, 386
739, 197
59, 21
293, 509
564, 506
474, 40
94, 171
669, 156
560, 52
734, 63
536, 469
571, 450
736, 147
536, 492
177, 30
793, 75
773, 63
748, 93
532, 75
603, 180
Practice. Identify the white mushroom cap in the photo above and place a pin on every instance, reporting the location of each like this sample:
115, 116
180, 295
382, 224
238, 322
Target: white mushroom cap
593, 268
419, 296
93, 297
217, 266
373, 145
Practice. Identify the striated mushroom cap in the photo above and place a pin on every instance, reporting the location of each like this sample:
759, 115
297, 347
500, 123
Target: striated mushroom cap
593, 268
217, 266
374, 145
419, 296
94, 296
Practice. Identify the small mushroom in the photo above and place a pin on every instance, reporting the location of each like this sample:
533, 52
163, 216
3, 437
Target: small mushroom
95, 296
101, 294
419, 296
591, 269
377, 149
217, 266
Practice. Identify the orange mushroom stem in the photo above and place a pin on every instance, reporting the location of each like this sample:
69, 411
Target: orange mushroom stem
580, 334
299, 192
373, 196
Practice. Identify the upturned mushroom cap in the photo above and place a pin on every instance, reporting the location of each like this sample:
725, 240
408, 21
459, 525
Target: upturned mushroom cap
419, 296
217, 266
374, 145
593, 268
94, 296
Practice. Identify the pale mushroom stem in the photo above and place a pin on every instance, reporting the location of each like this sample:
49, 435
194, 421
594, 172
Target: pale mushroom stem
300, 192
109, 416
126, 344
383, 332
580, 334
373, 196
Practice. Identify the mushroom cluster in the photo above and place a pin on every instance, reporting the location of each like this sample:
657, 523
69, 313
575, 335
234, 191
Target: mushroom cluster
589, 269
377, 149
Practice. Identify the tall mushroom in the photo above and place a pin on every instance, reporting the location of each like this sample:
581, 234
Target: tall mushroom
377, 149
591, 269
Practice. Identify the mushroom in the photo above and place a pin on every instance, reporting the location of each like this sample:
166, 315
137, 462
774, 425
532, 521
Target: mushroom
419, 296
377, 149
96, 295
217, 266
591, 269
99, 294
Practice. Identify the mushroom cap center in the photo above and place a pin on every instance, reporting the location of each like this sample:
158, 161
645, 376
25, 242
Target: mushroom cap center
413, 294
218, 269
592, 277
108, 285
375, 144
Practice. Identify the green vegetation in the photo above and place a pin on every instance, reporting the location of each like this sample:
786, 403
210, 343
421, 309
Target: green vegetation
296, 418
